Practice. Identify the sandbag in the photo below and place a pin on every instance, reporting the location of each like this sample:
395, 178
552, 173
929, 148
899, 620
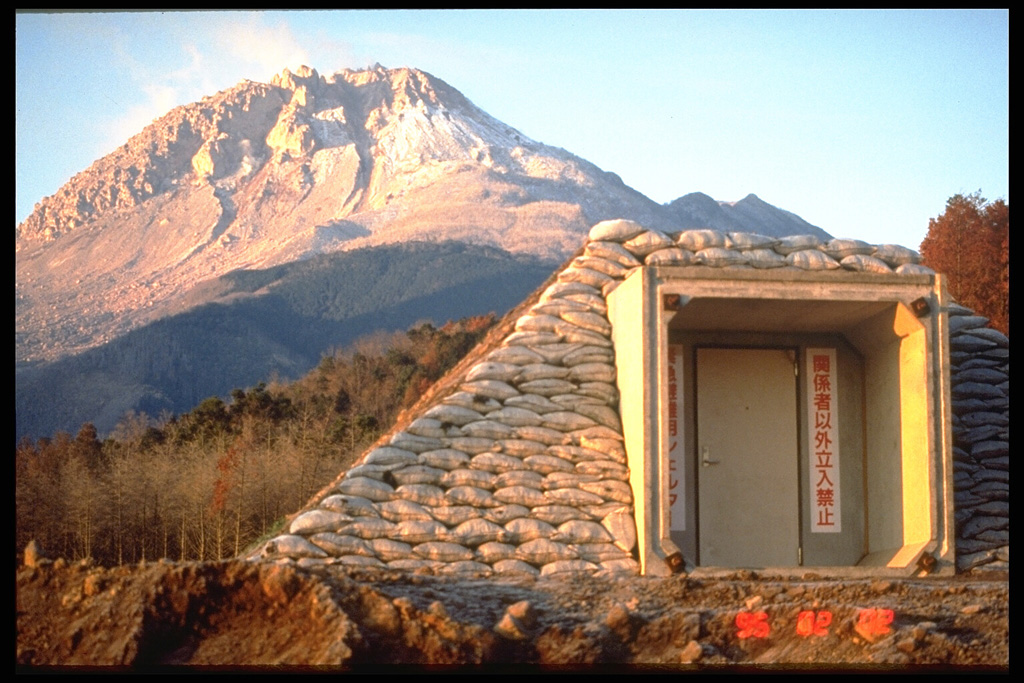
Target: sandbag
622, 528
557, 514
860, 263
495, 552
470, 495
532, 402
365, 487
521, 495
356, 506
516, 355
695, 240
612, 490
468, 477
573, 497
423, 494
488, 429
496, 462
613, 252
418, 531
454, 515
718, 257
514, 566
503, 514
525, 529
337, 545
445, 459
618, 230
505, 372
746, 241
581, 531
474, 445
402, 510
788, 245
388, 455
811, 259
442, 551
388, 550
317, 520
895, 255
647, 242
520, 447
914, 269
291, 545
539, 371
585, 276
370, 527
671, 256
418, 474
477, 531
415, 443
600, 552
469, 401
513, 416
541, 551
545, 464
489, 388
765, 258
542, 435
604, 468
547, 387
840, 248
567, 421
519, 478
450, 414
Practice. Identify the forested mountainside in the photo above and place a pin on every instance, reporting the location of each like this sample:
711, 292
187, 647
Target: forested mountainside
208, 483
253, 325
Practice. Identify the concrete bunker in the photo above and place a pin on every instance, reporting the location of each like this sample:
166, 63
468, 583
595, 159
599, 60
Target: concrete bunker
784, 419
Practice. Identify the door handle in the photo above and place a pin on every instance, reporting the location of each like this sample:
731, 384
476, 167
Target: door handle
704, 459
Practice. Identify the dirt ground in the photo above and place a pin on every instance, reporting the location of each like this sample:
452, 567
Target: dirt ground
241, 615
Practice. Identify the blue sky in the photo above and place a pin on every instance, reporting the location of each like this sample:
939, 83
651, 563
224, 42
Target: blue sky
862, 122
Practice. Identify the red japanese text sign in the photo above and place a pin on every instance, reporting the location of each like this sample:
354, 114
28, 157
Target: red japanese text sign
676, 478
823, 440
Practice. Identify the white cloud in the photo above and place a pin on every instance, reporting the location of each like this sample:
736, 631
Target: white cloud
196, 54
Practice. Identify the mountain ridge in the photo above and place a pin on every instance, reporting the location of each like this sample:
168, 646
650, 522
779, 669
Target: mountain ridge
264, 174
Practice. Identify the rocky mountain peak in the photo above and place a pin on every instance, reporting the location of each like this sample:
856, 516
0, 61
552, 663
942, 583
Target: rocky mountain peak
262, 174
304, 76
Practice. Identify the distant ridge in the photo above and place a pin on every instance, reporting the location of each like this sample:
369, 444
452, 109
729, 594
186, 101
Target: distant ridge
750, 214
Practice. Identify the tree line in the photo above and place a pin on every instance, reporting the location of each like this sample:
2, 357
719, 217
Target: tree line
207, 484
970, 244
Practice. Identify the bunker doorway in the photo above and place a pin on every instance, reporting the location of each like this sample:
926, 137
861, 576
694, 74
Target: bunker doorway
748, 458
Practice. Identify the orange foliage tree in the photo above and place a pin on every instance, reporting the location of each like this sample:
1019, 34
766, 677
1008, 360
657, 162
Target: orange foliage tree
970, 244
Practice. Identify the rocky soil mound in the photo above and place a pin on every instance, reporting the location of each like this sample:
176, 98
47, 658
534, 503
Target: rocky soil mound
244, 615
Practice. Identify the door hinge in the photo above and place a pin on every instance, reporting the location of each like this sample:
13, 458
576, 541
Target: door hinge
800, 556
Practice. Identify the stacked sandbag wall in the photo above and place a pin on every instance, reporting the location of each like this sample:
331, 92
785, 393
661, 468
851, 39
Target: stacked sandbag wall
522, 468
980, 377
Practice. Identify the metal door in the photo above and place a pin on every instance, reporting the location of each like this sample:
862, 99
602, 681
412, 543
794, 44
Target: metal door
748, 458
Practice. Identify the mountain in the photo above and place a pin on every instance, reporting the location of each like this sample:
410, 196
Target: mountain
262, 175
251, 325
750, 214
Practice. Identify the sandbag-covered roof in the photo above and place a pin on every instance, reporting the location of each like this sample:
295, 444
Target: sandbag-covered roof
515, 463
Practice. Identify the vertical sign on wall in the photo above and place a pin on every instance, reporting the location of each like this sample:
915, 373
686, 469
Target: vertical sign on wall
823, 430
676, 480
